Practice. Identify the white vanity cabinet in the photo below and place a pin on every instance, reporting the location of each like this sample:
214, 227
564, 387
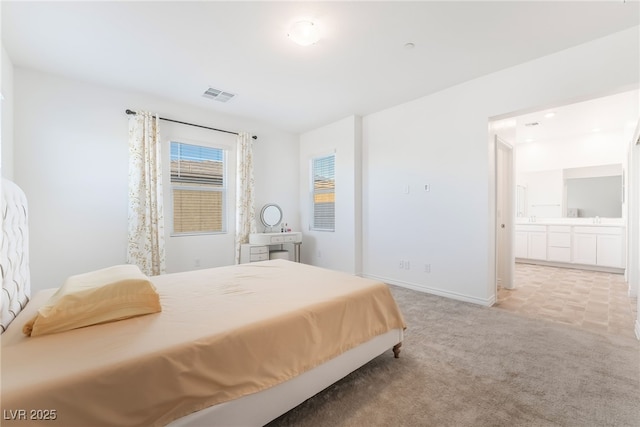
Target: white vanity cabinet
599, 246
521, 248
587, 245
610, 251
531, 242
559, 243
584, 248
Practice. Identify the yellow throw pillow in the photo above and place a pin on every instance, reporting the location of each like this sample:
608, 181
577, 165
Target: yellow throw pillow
100, 296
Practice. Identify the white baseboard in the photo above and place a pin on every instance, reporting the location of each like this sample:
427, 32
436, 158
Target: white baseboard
440, 292
616, 270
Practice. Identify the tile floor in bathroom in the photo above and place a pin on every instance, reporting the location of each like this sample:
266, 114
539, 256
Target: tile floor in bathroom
592, 300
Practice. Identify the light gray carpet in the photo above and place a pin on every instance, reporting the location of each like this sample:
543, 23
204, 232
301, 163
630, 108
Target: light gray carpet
466, 365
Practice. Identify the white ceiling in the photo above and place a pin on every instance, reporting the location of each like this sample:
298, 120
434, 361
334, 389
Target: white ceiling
618, 113
360, 65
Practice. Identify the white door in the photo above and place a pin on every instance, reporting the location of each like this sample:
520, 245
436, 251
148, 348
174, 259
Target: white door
505, 191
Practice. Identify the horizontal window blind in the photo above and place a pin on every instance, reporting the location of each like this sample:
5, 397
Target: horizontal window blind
197, 211
198, 188
197, 164
323, 170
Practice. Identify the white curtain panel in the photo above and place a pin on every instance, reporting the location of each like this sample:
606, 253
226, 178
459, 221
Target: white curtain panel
245, 211
146, 209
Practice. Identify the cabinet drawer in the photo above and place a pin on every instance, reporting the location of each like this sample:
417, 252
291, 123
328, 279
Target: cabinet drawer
598, 230
560, 228
259, 250
277, 239
260, 257
527, 227
560, 240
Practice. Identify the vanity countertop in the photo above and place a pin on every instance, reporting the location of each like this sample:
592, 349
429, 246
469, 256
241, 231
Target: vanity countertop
583, 222
275, 238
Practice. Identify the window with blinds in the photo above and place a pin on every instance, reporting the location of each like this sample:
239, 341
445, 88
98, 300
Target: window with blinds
324, 193
198, 187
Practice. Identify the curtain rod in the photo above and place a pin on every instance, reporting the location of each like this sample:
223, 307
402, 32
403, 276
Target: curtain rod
191, 124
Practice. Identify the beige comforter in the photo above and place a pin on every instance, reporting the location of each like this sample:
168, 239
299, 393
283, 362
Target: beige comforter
223, 333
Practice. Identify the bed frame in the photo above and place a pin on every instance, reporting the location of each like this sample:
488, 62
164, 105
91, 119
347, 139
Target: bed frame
252, 410
260, 408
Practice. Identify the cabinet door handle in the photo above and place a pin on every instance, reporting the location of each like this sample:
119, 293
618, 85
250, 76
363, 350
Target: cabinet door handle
501, 225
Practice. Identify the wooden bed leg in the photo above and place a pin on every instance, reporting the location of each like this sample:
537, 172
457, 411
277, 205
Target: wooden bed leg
396, 350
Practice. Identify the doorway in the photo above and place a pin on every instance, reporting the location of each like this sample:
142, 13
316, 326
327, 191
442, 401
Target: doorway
518, 130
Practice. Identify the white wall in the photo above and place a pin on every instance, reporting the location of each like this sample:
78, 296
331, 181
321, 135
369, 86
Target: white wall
276, 174
540, 165
71, 159
339, 250
544, 192
442, 140
6, 138
588, 150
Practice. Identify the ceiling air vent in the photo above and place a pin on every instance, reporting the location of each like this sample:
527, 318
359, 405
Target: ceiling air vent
218, 95
532, 124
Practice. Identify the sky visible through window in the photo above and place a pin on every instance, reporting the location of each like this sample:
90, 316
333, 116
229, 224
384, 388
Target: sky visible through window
181, 151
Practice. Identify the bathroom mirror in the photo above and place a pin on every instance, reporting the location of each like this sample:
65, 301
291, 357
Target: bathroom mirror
581, 192
594, 196
271, 215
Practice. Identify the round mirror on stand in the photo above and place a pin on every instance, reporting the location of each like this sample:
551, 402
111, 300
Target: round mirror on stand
271, 215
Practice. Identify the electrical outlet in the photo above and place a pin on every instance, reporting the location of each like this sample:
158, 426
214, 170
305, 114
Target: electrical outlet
319, 253
404, 264
427, 268
196, 262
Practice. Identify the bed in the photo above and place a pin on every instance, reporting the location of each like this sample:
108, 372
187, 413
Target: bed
237, 345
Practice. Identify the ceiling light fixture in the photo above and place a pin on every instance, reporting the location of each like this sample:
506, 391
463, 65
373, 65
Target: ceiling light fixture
549, 115
304, 33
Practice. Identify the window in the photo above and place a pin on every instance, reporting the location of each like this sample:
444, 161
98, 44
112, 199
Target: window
324, 193
198, 188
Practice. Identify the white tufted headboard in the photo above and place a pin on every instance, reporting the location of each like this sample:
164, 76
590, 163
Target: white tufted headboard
14, 252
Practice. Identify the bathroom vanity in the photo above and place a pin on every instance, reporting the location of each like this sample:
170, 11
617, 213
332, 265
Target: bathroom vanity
575, 244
